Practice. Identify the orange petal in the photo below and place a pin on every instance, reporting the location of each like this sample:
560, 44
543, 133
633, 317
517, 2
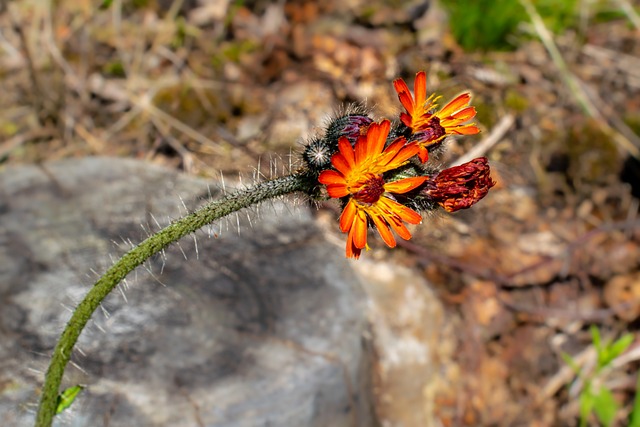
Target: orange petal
351, 250
362, 148
331, 177
387, 160
407, 152
359, 229
341, 163
335, 182
377, 137
384, 231
423, 154
337, 191
347, 151
403, 185
420, 91
396, 146
347, 217
409, 215
395, 209
400, 229
456, 104
470, 129
464, 114
404, 95
406, 119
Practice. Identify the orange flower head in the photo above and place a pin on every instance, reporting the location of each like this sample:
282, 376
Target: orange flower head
431, 127
359, 176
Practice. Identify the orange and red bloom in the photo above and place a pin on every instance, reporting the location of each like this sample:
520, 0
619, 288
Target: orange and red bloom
368, 166
430, 127
359, 176
460, 187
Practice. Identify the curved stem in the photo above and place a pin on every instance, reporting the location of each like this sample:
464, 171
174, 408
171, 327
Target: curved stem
135, 257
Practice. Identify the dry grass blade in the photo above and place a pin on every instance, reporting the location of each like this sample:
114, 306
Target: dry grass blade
188, 159
565, 375
631, 355
178, 125
14, 142
631, 13
574, 84
96, 143
30, 63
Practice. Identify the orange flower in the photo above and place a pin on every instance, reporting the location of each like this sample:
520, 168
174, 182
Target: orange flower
359, 176
432, 127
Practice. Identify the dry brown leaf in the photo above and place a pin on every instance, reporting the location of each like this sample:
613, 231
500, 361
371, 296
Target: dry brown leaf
622, 294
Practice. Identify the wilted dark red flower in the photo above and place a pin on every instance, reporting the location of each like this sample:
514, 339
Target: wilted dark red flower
460, 187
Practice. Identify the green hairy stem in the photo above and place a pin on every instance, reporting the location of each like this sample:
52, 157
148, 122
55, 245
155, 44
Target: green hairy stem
139, 254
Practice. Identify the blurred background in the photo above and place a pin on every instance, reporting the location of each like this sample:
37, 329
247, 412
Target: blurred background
541, 279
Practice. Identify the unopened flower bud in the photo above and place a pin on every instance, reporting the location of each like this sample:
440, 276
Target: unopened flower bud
351, 125
318, 151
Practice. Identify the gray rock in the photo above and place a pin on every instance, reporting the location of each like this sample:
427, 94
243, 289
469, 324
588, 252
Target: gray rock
261, 327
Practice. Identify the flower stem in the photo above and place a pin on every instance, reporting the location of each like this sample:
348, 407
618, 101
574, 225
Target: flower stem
135, 257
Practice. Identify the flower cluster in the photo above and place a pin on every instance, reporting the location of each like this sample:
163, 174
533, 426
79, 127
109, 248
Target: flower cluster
380, 171
428, 127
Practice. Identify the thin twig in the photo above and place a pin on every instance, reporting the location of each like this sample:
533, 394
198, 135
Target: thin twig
37, 92
96, 143
147, 106
188, 159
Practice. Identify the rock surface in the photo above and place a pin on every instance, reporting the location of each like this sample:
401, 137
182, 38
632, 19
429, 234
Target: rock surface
252, 328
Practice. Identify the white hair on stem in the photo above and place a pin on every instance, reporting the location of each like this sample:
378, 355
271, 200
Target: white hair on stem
104, 311
124, 297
